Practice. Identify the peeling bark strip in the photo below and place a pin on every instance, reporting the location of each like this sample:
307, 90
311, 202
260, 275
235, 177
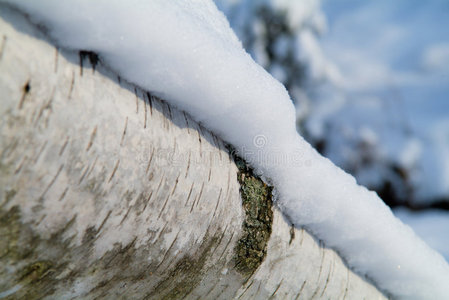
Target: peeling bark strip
93, 215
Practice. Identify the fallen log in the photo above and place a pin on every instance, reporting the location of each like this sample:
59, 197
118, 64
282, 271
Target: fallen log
109, 192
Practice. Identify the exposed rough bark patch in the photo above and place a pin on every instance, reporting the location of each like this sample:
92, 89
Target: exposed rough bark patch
257, 204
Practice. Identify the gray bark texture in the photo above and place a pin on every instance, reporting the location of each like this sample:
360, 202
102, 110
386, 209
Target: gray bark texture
109, 192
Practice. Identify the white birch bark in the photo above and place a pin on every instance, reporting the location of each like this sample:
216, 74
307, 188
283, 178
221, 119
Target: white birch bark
108, 192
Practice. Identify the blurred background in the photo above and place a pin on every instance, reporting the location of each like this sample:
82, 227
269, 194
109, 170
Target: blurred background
370, 82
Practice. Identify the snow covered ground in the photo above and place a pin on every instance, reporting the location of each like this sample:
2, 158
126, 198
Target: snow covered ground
186, 53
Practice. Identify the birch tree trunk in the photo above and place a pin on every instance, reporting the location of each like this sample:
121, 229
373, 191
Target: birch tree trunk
108, 192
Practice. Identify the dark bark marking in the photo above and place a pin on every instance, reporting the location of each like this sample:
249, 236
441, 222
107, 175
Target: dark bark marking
84, 174
137, 101
210, 167
44, 107
64, 146
148, 201
169, 112
149, 162
193, 205
121, 252
219, 153
25, 91
347, 284
292, 234
323, 253
56, 59
10, 148
93, 59
166, 120
168, 250
221, 238
163, 207
174, 188
328, 278
21, 165
88, 171
230, 157
52, 181
188, 164
145, 115
150, 102
197, 199
226, 247
200, 130
218, 145
80, 63
276, 290
41, 150
41, 219
321, 270
246, 289
199, 139
214, 140
92, 138
168, 197
300, 290
218, 202
175, 258
113, 171
207, 232
92, 167
208, 292
190, 193
126, 215
124, 131
160, 183
222, 290
160, 232
187, 122
228, 185
201, 194
72, 85
63, 194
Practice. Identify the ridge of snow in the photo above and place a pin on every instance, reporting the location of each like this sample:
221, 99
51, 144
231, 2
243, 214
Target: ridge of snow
186, 53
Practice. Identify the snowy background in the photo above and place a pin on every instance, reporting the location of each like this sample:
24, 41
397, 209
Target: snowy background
370, 81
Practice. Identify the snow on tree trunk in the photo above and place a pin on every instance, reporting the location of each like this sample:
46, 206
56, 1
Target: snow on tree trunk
108, 192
